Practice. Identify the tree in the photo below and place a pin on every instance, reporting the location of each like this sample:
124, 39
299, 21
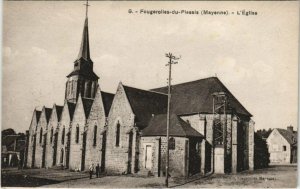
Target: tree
9, 131
261, 153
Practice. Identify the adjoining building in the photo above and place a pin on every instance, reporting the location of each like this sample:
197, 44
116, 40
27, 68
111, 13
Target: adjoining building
282, 146
125, 132
13, 150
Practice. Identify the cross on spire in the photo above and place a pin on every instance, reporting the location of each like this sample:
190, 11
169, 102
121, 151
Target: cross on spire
86, 8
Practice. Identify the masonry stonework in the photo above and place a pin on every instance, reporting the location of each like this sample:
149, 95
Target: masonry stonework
77, 132
32, 133
95, 127
53, 122
120, 113
62, 130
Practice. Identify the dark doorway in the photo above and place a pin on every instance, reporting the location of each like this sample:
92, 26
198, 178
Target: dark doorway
129, 164
83, 151
55, 149
208, 157
33, 151
194, 160
44, 151
103, 150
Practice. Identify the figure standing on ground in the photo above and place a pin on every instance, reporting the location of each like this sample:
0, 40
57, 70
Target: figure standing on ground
97, 170
91, 169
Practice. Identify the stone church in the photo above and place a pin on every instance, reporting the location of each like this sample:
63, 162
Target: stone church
125, 132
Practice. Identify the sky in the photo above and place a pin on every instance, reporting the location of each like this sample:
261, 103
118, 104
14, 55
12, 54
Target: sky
256, 57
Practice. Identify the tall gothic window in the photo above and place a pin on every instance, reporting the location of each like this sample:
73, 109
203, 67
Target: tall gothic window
63, 136
95, 135
51, 136
77, 134
118, 134
41, 135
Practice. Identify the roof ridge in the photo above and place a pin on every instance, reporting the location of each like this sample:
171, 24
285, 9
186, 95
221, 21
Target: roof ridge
188, 82
179, 121
145, 90
106, 92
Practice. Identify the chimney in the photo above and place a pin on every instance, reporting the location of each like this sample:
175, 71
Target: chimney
290, 128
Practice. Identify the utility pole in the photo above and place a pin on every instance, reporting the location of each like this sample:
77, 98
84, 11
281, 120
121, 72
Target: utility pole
86, 8
172, 60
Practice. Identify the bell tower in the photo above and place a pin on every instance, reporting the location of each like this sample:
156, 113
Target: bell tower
82, 79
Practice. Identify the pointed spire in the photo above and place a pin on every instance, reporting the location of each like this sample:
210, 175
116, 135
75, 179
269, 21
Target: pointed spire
84, 51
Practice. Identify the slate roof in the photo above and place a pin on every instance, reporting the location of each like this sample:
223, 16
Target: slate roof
107, 99
71, 107
196, 97
288, 135
87, 105
158, 127
59, 111
84, 56
48, 112
38, 115
145, 103
84, 51
84, 72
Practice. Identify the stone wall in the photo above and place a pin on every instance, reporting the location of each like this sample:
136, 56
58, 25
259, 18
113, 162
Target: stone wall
251, 145
96, 119
76, 146
276, 143
41, 127
64, 123
120, 112
178, 158
32, 130
238, 148
53, 122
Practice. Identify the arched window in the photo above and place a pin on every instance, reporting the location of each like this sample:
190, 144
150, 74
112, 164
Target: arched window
118, 134
41, 135
77, 134
172, 143
51, 136
95, 135
63, 136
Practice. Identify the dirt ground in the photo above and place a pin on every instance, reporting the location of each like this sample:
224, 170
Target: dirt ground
272, 177
278, 176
